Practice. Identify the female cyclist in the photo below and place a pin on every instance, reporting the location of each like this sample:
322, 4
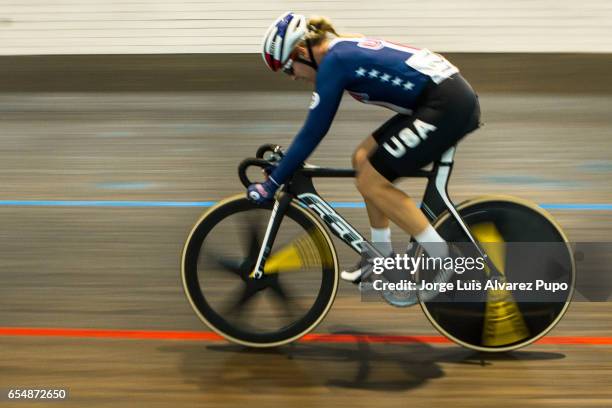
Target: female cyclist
435, 108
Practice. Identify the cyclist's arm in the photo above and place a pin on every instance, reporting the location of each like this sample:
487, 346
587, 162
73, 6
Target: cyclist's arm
325, 103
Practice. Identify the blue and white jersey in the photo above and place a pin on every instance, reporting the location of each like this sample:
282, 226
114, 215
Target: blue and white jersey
372, 71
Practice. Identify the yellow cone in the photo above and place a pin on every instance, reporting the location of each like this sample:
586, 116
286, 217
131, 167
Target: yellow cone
308, 250
503, 321
492, 242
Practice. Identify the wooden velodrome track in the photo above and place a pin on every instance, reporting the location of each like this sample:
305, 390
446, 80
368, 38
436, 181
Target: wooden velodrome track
90, 293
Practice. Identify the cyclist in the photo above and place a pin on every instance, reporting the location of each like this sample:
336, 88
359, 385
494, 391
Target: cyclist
435, 107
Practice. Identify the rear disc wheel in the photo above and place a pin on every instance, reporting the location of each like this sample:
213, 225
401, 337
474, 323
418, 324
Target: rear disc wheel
534, 244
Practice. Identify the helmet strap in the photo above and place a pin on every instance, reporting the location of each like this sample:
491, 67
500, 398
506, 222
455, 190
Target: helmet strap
312, 63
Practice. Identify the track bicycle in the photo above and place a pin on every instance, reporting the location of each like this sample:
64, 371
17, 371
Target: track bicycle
264, 276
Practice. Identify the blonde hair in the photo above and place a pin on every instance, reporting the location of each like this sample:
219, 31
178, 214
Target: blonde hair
320, 28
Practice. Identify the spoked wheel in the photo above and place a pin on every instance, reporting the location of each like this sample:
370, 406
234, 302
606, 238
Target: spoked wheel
300, 276
526, 245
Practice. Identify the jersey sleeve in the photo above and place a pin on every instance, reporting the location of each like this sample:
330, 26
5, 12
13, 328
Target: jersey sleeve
323, 108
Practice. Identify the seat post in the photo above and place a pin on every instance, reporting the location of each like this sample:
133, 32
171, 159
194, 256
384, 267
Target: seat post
448, 157
436, 200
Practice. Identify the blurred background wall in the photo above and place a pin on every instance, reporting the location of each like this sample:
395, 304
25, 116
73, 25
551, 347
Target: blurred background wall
132, 45
212, 26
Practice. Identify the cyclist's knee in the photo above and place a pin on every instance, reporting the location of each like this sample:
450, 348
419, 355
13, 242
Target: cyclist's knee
359, 157
361, 153
369, 182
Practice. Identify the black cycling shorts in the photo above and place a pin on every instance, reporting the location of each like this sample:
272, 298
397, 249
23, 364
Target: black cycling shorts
444, 114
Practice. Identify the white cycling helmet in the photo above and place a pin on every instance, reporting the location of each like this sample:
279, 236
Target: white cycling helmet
281, 38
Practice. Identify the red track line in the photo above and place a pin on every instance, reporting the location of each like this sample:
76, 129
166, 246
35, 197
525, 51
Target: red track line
211, 337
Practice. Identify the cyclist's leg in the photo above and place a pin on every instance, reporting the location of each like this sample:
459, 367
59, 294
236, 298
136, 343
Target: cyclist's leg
379, 222
394, 203
360, 157
409, 142
400, 209
380, 233
372, 185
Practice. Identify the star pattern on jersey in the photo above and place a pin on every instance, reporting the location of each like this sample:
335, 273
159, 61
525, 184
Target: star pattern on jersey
384, 77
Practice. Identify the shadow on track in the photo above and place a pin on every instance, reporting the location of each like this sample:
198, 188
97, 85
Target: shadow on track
228, 368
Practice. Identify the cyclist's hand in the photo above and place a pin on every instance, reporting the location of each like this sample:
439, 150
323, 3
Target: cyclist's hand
260, 193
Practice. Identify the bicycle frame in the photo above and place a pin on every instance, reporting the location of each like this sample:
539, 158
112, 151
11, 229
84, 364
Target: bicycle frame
301, 188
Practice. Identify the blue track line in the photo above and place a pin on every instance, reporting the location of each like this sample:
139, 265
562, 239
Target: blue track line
206, 204
83, 203
576, 207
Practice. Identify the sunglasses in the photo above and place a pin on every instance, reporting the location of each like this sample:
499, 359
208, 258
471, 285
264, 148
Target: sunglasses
288, 68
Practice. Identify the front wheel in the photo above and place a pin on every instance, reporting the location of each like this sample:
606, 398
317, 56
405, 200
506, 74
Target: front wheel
298, 286
525, 243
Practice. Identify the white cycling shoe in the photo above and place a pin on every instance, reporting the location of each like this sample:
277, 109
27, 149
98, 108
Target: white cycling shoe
354, 273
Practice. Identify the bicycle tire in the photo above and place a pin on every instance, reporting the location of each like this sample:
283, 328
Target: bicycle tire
460, 321
197, 297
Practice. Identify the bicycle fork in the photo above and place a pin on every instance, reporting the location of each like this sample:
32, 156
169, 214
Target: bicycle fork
278, 212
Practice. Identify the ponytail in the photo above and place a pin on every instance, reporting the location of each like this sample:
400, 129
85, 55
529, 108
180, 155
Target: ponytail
320, 28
